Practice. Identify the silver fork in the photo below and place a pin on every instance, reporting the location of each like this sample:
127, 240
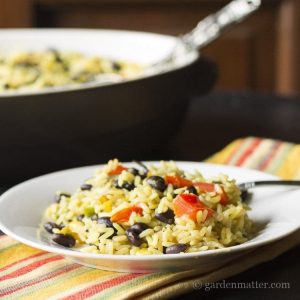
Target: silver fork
245, 186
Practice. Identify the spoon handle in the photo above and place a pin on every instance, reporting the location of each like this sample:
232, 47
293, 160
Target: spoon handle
212, 26
252, 184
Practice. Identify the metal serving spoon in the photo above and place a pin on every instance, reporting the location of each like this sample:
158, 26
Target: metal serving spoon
209, 29
206, 31
244, 187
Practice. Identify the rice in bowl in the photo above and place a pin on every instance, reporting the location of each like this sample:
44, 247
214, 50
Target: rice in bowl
36, 70
153, 209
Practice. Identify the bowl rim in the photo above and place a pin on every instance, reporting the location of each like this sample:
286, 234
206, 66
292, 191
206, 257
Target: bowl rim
95, 85
75, 253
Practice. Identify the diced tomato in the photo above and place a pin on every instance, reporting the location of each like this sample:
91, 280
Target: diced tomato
118, 170
183, 207
190, 198
124, 214
205, 187
224, 197
178, 181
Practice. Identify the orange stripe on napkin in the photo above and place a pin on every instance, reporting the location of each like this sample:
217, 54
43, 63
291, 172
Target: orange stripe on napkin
16, 253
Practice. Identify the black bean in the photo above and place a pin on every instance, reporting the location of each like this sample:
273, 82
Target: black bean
49, 226
58, 196
166, 217
133, 171
58, 58
128, 186
143, 174
142, 165
134, 231
86, 187
192, 190
133, 237
116, 66
177, 248
116, 184
64, 240
157, 183
245, 195
105, 220
108, 223
139, 227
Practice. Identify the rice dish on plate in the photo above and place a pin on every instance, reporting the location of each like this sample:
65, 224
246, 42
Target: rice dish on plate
153, 209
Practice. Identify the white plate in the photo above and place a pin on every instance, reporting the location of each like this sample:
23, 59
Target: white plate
276, 209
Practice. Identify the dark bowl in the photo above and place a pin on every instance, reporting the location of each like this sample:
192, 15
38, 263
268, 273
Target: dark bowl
55, 129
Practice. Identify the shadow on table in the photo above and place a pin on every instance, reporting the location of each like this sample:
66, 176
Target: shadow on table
283, 272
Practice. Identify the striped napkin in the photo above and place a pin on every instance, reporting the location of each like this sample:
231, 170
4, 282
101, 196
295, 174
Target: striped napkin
28, 273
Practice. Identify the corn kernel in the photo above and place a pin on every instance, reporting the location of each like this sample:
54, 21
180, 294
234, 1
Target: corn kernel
103, 199
107, 206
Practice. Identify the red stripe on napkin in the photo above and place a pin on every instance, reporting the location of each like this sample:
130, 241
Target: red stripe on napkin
99, 287
22, 260
33, 282
248, 151
30, 267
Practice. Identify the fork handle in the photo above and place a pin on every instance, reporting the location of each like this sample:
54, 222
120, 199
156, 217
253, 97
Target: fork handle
252, 184
212, 26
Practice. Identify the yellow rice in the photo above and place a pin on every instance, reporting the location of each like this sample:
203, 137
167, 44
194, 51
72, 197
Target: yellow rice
228, 226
